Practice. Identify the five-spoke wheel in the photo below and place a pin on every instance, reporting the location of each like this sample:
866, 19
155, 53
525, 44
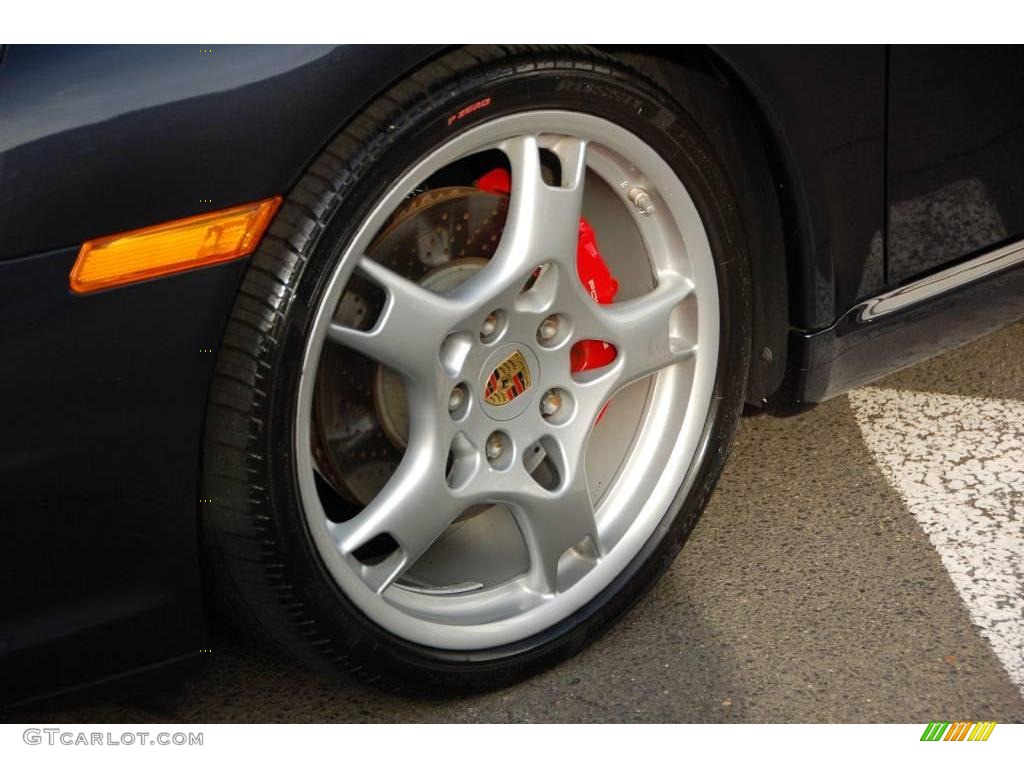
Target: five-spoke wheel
482, 373
491, 394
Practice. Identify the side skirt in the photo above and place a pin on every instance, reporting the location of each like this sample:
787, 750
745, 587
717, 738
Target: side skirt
905, 325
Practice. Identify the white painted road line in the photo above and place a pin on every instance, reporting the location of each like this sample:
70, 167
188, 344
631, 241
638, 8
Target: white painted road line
958, 463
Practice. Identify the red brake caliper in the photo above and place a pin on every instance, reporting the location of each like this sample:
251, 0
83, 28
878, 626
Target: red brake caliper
593, 272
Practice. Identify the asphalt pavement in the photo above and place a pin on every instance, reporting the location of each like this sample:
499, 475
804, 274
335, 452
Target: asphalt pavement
861, 562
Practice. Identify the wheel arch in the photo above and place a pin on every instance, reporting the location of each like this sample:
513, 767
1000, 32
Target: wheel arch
755, 149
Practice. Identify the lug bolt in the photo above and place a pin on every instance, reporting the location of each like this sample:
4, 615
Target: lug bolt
550, 403
642, 200
548, 328
456, 399
490, 325
495, 447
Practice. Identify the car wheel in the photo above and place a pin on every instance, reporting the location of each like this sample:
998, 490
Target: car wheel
481, 374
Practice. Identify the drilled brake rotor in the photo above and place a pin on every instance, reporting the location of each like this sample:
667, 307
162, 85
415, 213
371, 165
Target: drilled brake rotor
437, 238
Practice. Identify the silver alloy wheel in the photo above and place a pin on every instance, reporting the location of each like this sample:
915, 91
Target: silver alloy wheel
577, 537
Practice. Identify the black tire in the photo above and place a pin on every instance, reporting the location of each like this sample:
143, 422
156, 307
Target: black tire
264, 565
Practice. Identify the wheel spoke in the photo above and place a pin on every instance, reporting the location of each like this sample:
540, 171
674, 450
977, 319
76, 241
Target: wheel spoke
641, 330
543, 221
550, 526
553, 521
414, 507
410, 328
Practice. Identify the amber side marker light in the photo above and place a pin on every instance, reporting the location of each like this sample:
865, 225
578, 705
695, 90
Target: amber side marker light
175, 246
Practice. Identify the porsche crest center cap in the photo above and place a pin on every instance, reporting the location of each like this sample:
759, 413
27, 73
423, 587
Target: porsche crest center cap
507, 381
